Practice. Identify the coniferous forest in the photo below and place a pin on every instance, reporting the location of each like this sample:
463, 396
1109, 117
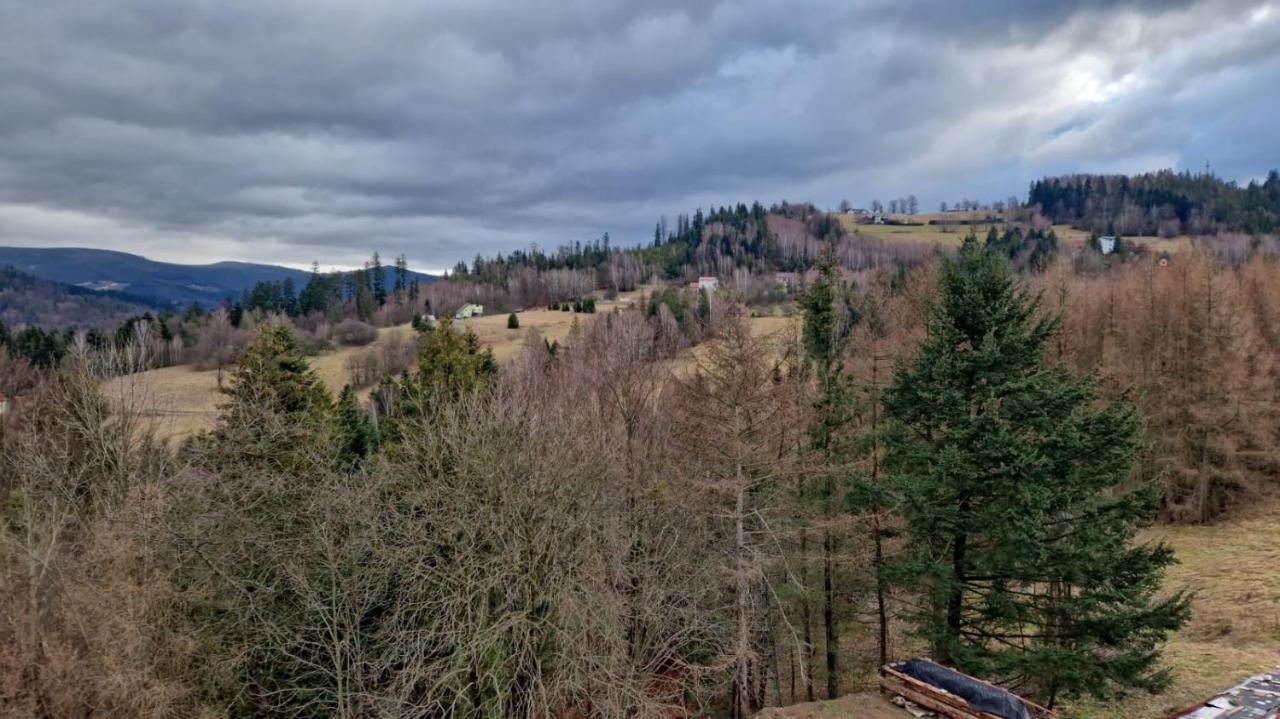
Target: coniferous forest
1164, 203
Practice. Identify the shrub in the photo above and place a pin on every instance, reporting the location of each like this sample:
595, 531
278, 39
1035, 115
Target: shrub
513, 322
354, 333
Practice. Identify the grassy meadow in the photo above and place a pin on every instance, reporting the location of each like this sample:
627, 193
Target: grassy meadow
951, 235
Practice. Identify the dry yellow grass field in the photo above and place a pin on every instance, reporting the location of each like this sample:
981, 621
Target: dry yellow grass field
953, 235
777, 332
865, 705
554, 326
1234, 631
492, 330
182, 400
1235, 626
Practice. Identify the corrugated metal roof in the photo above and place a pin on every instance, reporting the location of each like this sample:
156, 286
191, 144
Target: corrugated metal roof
1257, 697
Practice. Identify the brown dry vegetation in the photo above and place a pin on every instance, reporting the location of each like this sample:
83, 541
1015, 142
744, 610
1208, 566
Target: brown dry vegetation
183, 400
600, 554
863, 705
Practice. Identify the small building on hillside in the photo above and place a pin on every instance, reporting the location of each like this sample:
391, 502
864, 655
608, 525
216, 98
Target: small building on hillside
1107, 244
4, 405
708, 283
789, 280
468, 311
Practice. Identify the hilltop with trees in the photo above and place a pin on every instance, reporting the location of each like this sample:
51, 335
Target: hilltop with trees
1164, 203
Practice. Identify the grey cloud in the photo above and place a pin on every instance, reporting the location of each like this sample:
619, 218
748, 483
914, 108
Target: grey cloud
300, 129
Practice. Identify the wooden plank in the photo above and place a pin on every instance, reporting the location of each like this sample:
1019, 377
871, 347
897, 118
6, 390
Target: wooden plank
937, 695
928, 702
927, 689
904, 685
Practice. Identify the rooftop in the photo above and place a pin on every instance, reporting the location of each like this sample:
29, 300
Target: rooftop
1257, 697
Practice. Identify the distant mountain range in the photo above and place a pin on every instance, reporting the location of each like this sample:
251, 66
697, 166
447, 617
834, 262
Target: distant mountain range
165, 283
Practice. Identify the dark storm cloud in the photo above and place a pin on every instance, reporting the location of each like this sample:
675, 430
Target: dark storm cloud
291, 130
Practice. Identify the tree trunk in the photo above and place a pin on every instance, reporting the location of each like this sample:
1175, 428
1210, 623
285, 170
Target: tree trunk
743, 693
829, 613
806, 616
882, 614
955, 598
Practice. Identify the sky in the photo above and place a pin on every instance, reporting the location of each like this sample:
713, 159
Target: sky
287, 131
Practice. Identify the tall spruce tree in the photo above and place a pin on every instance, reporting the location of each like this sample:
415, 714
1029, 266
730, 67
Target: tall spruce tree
1011, 479
828, 319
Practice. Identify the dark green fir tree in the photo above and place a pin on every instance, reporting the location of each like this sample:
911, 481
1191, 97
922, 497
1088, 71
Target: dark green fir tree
356, 436
1012, 480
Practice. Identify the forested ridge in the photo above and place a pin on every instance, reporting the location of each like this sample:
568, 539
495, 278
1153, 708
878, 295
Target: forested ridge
1166, 203
27, 300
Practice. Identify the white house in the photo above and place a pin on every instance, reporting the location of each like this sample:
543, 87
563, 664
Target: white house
1107, 244
708, 283
788, 280
469, 310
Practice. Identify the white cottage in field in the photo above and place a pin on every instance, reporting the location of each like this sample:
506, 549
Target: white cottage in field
1107, 244
468, 311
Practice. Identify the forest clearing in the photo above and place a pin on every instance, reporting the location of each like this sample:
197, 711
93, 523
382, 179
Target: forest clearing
948, 231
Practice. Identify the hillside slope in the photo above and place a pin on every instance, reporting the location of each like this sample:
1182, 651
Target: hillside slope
166, 282
28, 300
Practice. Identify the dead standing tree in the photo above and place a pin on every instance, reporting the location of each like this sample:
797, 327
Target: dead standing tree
730, 413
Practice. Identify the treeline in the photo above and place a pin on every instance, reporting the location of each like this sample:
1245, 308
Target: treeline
161, 334
608, 526
360, 293
1164, 203
729, 241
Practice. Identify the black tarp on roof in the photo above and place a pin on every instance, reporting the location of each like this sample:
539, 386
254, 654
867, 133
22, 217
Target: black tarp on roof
980, 696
